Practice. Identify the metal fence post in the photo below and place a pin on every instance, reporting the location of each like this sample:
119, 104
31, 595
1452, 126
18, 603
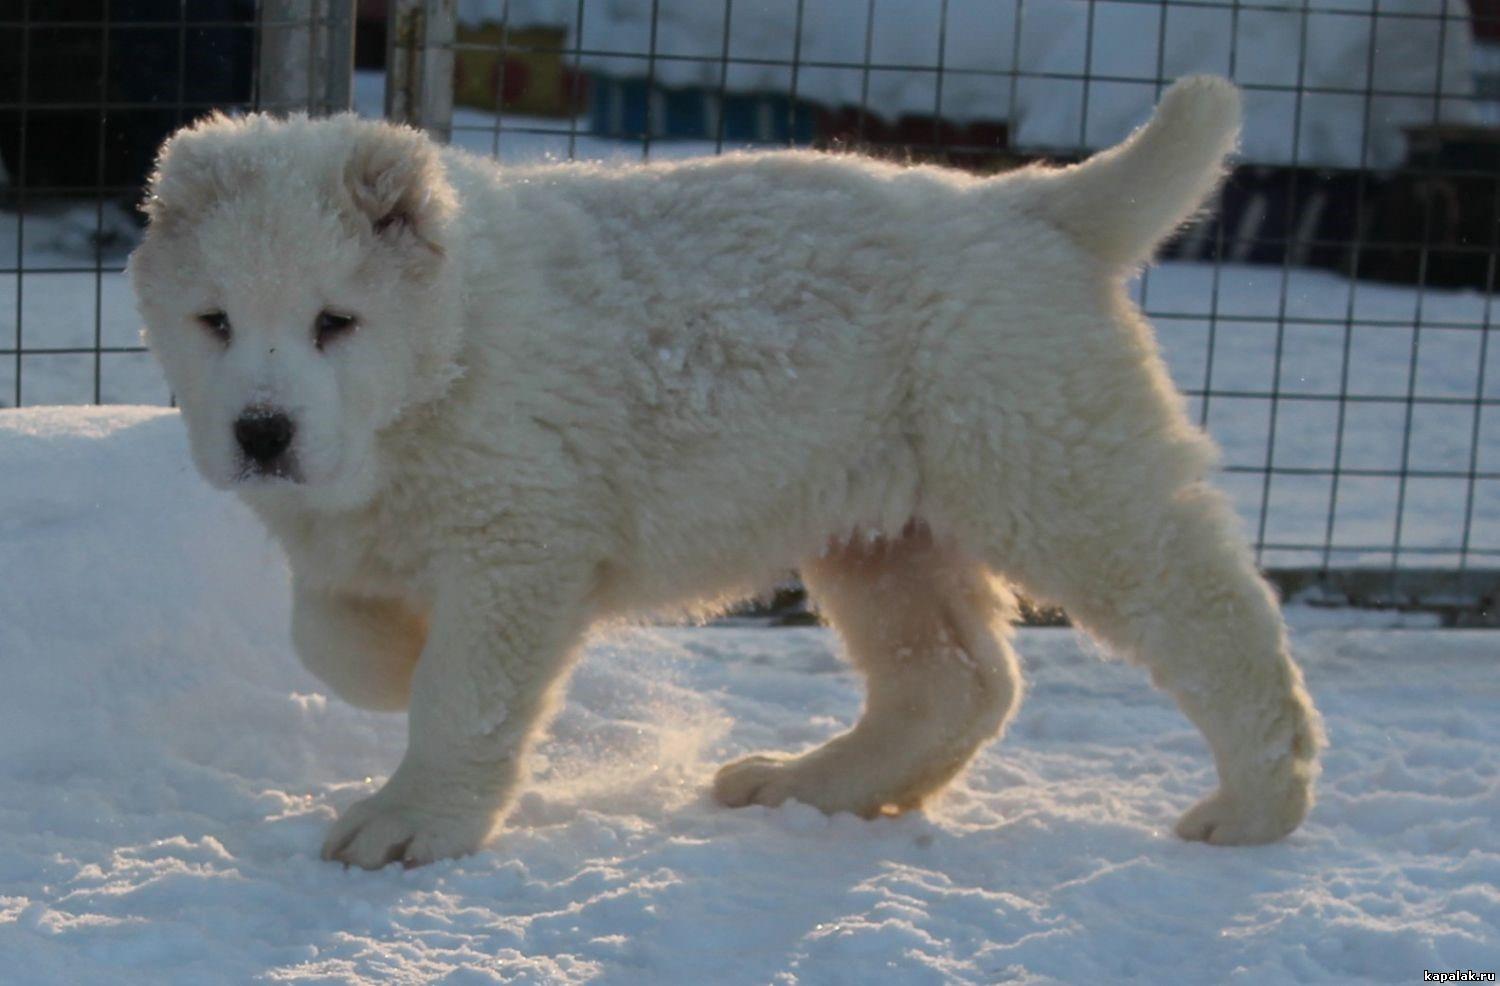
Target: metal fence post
338, 85
419, 65
285, 65
306, 59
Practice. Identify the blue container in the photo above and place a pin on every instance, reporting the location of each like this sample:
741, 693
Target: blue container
632, 109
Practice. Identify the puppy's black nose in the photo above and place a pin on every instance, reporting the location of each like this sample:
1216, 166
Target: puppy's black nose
263, 435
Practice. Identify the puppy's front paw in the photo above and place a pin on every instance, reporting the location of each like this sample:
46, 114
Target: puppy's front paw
387, 827
1224, 819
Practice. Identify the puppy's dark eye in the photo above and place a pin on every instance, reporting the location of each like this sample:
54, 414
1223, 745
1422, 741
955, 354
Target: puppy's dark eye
332, 325
217, 324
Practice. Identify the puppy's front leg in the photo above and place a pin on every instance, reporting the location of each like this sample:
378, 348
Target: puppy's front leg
497, 645
363, 648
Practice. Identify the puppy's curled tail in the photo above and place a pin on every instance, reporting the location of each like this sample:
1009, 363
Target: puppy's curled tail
1120, 203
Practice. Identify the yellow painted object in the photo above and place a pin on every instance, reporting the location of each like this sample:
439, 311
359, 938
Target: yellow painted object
522, 70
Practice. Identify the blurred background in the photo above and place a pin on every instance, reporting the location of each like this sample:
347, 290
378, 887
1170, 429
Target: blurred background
1331, 325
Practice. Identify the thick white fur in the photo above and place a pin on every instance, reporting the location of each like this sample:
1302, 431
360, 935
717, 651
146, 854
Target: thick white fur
580, 393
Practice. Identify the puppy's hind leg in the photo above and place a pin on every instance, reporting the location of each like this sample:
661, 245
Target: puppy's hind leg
929, 628
1171, 586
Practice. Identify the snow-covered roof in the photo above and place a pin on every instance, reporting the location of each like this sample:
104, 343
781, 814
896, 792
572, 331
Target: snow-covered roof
1417, 45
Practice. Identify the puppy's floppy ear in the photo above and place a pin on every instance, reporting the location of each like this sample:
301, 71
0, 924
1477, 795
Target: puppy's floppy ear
192, 172
396, 183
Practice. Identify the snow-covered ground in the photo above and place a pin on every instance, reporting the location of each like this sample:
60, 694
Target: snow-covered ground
168, 772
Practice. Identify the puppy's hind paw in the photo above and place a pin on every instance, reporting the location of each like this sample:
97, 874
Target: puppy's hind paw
754, 780
825, 782
1223, 820
380, 830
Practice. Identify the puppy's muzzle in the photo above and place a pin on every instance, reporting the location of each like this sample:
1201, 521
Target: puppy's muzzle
265, 436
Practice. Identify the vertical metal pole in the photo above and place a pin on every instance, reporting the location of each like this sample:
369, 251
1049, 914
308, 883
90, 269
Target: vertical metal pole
306, 60
402, 33
441, 23
419, 65
338, 84
285, 72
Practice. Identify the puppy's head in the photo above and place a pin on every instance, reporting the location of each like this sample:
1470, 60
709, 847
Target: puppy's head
296, 288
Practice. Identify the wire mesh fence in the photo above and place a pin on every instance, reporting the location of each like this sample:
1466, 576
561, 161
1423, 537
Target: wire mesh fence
1330, 325
88, 90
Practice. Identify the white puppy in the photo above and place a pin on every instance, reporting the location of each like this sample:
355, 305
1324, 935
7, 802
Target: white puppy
485, 408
